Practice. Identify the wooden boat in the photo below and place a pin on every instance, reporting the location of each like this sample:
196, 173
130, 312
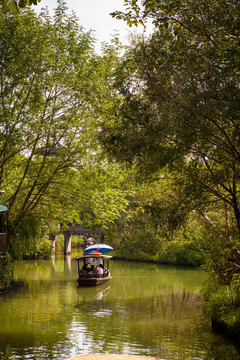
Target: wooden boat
93, 259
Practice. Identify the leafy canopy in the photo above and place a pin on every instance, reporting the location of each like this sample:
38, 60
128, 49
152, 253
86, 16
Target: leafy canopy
15, 5
177, 109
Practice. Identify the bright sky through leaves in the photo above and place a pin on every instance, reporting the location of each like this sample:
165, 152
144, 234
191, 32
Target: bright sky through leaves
95, 15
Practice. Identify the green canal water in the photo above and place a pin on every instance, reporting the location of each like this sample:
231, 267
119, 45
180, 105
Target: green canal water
144, 309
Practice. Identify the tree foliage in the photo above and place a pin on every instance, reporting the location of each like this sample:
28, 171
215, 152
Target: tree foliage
15, 5
50, 79
177, 101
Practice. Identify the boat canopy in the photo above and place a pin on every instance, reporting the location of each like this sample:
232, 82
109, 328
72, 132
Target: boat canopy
3, 208
93, 255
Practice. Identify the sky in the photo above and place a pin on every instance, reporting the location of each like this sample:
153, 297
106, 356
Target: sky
95, 15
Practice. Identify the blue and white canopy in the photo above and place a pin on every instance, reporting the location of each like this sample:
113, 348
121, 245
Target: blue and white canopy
101, 248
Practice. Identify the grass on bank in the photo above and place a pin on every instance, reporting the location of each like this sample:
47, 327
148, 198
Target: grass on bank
222, 305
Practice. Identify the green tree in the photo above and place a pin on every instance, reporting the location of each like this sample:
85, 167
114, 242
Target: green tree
48, 74
15, 5
51, 166
177, 102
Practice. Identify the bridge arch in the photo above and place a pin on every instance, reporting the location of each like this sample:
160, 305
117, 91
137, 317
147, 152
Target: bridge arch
80, 231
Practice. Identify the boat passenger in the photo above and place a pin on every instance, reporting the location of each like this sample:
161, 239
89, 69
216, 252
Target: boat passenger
91, 270
84, 269
99, 270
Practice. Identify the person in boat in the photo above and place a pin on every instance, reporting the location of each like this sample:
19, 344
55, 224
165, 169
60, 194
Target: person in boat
99, 270
92, 270
84, 269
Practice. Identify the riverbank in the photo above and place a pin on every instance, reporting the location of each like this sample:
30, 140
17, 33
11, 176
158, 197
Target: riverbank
222, 306
152, 261
169, 253
229, 331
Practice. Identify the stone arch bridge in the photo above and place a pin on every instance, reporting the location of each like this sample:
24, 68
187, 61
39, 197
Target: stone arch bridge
78, 230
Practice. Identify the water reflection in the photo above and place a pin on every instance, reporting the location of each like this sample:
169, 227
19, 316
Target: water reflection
67, 263
94, 300
144, 309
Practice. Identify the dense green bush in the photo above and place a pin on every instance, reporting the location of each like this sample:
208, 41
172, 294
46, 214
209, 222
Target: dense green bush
6, 271
22, 237
173, 252
59, 244
77, 241
180, 253
43, 248
222, 304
